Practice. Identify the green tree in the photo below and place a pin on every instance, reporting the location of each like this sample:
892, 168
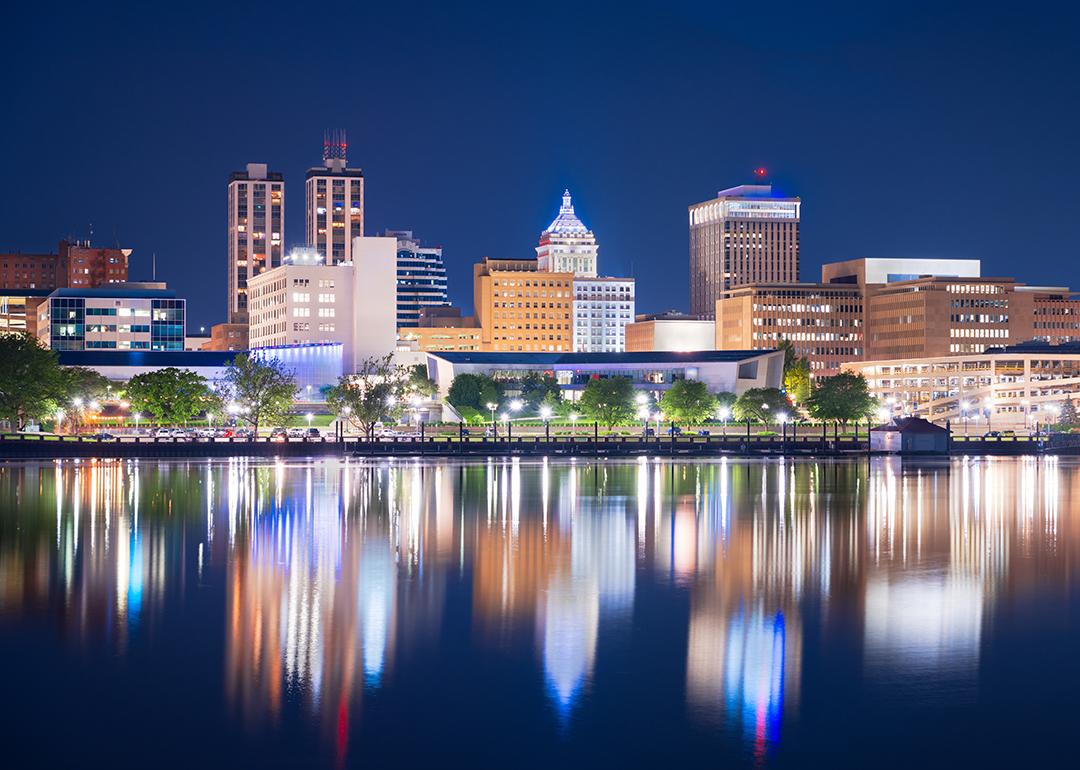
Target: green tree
32, 384
608, 401
1067, 416
726, 399
419, 382
761, 405
842, 398
473, 390
86, 383
375, 393
797, 380
790, 354
536, 387
170, 395
688, 402
262, 389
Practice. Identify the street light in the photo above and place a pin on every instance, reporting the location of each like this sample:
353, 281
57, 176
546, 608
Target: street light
492, 407
309, 416
545, 414
137, 416
724, 413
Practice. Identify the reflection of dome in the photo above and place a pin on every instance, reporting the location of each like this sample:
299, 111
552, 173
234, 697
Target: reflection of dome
571, 616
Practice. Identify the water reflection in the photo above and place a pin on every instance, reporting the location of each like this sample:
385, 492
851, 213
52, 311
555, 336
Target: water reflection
336, 576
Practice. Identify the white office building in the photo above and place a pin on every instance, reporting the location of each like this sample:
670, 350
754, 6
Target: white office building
306, 302
256, 231
567, 246
122, 316
334, 197
602, 309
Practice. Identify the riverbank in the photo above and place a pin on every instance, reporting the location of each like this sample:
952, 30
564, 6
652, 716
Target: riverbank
56, 447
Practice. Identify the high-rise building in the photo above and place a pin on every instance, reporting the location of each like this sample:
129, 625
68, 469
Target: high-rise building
91, 267
32, 271
567, 246
602, 309
334, 202
256, 231
421, 278
744, 235
125, 316
521, 309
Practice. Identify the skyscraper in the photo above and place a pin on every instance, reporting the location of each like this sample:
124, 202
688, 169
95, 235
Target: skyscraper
256, 231
334, 202
745, 235
421, 278
567, 246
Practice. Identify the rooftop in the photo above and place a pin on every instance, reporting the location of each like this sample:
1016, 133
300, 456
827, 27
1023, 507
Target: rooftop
118, 291
153, 358
566, 222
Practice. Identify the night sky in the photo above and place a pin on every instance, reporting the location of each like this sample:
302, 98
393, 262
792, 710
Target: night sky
908, 129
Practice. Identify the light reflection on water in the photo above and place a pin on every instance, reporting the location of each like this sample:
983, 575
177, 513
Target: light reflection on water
336, 577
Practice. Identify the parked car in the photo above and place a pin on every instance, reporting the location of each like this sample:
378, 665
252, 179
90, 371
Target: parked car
103, 436
278, 435
163, 433
703, 432
674, 430
295, 432
649, 433
312, 433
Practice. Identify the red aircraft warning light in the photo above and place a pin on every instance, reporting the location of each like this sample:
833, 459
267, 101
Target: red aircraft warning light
760, 172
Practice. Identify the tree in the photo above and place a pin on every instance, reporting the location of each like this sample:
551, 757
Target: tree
842, 398
608, 400
419, 382
761, 404
373, 394
170, 395
262, 389
797, 380
86, 383
688, 402
32, 384
1067, 416
725, 399
790, 354
473, 390
535, 388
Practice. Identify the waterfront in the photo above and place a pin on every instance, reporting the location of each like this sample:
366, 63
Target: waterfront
530, 613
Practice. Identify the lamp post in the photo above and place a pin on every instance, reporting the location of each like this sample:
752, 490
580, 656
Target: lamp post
494, 428
59, 419
573, 421
659, 419
137, 416
545, 413
964, 406
782, 418
506, 423
642, 411
515, 407
724, 413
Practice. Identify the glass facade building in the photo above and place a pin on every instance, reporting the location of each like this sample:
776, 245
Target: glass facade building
421, 278
112, 319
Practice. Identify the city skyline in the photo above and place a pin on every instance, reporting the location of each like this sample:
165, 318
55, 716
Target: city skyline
918, 132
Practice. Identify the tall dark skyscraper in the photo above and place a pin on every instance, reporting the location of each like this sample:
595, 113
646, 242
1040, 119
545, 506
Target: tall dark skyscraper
421, 278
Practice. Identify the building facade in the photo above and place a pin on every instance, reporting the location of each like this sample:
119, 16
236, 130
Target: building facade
421, 278
334, 203
19, 310
567, 246
602, 309
442, 328
226, 337
353, 304
90, 267
823, 322
32, 271
671, 331
256, 202
520, 309
654, 372
130, 316
745, 235
1002, 388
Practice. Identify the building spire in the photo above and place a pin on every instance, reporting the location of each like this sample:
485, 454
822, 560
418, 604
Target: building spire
567, 206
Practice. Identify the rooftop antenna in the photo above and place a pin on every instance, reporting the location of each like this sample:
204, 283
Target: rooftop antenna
153, 268
335, 148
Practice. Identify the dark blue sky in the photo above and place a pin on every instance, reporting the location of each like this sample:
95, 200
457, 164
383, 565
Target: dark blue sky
908, 129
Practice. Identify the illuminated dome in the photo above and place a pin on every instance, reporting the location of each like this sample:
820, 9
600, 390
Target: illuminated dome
567, 222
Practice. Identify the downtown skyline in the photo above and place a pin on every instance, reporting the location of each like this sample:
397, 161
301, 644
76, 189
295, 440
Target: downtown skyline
913, 156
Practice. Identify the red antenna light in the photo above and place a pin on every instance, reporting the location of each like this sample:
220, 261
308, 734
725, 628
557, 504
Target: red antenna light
760, 172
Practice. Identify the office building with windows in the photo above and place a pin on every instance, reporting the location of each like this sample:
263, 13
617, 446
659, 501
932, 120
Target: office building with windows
521, 309
19, 310
745, 235
256, 231
126, 316
334, 202
602, 309
421, 278
307, 302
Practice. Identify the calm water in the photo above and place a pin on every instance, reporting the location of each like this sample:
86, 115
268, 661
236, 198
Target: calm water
528, 614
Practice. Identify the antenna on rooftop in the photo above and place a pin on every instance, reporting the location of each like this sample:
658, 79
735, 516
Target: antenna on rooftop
335, 145
153, 266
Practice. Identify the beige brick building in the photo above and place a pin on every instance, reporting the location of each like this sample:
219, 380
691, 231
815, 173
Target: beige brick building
520, 309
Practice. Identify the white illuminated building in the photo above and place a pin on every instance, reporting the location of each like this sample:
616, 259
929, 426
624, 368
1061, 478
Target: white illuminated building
567, 246
602, 309
306, 302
